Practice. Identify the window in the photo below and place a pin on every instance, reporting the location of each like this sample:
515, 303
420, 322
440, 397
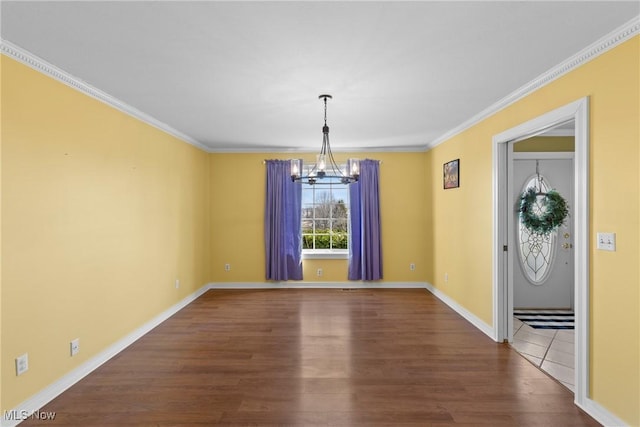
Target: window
325, 218
536, 250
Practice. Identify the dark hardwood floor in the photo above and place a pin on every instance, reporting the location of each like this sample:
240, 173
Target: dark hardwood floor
317, 357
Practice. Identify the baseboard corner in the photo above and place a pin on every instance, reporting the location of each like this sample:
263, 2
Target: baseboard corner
466, 314
600, 413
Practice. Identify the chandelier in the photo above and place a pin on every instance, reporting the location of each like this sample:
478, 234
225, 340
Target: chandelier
325, 167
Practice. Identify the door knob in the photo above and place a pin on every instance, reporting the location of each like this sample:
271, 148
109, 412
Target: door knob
567, 246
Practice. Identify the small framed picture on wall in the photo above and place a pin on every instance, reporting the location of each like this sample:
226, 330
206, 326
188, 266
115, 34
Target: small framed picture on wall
451, 174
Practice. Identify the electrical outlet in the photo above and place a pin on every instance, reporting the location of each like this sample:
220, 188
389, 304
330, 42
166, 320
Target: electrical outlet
75, 346
177, 283
22, 364
319, 272
446, 277
606, 241
227, 267
412, 266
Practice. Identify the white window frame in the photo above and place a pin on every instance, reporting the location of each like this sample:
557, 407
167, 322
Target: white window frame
329, 253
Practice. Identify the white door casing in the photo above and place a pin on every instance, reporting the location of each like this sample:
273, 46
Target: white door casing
578, 111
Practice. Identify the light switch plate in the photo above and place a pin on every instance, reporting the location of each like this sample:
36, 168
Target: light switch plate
75, 346
606, 241
22, 364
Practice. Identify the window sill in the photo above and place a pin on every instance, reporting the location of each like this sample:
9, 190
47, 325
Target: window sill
325, 254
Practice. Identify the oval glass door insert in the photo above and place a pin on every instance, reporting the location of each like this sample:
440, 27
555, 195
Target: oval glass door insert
537, 251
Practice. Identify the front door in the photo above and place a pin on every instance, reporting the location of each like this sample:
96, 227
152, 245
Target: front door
543, 274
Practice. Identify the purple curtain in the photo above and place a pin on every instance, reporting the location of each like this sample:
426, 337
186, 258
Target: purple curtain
365, 248
282, 223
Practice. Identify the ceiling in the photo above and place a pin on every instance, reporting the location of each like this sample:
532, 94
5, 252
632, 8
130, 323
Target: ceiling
245, 76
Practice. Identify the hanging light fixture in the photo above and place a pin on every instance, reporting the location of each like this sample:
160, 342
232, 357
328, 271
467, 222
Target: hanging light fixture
325, 166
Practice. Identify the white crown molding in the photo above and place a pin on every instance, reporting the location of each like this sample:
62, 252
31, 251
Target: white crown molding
39, 64
314, 150
22, 55
606, 43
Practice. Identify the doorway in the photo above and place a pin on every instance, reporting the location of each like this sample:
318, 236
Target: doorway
543, 266
504, 243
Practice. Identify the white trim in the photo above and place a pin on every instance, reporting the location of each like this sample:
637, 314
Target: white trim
39, 64
558, 132
503, 325
317, 285
606, 43
324, 254
582, 249
502, 285
547, 155
37, 401
601, 414
314, 150
470, 317
53, 390
467, 315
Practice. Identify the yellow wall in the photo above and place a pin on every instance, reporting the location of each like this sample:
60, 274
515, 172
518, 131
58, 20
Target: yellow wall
545, 144
237, 214
462, 218
100, 214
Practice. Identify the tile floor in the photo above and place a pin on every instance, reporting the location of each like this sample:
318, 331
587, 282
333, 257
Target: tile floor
551, 350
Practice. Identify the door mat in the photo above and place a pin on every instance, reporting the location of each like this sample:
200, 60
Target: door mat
546, 319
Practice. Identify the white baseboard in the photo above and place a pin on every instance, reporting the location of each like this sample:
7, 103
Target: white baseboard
44, 396
601, 414
315, 285
37, 401
595, 410
470, 317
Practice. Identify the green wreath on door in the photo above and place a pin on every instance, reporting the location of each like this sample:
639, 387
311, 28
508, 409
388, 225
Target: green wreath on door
552, 215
